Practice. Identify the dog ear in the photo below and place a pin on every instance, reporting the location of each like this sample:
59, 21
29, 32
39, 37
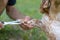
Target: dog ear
57, 3
45, 5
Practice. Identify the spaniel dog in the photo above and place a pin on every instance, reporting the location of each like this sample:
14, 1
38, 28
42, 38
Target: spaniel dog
51, 18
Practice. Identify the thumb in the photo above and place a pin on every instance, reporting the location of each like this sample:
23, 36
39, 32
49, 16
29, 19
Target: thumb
27, 18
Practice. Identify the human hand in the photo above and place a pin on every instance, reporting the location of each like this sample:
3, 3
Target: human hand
25, 25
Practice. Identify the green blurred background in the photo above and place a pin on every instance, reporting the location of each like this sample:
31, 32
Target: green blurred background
27, 7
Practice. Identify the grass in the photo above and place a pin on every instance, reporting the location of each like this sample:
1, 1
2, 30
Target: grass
27, 7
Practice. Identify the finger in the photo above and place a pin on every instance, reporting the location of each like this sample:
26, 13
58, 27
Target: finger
24, 26
29, 26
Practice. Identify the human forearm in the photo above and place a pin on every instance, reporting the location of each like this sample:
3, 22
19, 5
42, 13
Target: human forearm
3, 4
13, 13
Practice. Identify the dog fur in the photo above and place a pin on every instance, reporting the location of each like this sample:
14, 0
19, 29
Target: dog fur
51, 18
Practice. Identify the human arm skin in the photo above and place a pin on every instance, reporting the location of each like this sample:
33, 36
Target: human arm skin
3, 4
13, 13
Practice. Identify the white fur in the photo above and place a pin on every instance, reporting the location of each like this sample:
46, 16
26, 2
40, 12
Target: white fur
53, 24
